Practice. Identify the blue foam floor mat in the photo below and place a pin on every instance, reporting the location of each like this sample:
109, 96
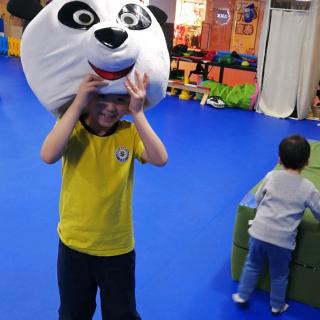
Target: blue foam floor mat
183, 212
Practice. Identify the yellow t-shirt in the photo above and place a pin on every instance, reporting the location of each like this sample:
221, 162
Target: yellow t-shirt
96, 192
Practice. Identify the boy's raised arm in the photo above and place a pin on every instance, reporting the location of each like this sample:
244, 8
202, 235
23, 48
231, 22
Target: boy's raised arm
55, 143
155, 151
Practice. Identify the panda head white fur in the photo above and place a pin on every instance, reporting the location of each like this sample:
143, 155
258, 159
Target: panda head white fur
68, 39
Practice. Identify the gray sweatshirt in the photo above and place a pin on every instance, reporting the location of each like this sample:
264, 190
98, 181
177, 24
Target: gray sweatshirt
281, 200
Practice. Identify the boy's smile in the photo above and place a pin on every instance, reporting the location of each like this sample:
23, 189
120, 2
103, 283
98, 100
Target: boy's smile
105, 111
106, 117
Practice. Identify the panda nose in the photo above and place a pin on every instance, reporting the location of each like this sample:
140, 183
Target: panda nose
111, 37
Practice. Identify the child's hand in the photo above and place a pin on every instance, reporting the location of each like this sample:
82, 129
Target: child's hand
316, 101
88, 89
137, 92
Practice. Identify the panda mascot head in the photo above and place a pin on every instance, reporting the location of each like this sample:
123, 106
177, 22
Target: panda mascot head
68, 39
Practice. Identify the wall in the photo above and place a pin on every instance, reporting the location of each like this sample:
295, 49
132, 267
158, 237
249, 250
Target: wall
220, 37
12, 25
169, 7
220, 34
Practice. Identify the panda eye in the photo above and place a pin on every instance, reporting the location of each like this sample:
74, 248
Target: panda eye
83, 17
134, 17
78, 15
129, 19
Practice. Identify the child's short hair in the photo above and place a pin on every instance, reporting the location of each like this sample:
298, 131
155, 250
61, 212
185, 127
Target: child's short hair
294, 152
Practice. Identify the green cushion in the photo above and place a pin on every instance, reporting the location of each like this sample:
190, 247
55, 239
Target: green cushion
304, 283
308, 239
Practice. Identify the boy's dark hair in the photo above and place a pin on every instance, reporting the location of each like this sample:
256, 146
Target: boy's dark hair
294, 152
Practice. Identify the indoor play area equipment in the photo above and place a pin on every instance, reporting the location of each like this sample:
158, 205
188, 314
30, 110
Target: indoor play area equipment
185, 86
13, 47
241, 96
191, 88
9, 46
1, 26
304, 278
185, 93
4, 45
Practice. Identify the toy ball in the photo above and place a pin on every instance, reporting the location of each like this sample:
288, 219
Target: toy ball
245, 63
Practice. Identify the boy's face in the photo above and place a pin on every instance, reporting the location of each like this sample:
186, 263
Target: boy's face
105, 110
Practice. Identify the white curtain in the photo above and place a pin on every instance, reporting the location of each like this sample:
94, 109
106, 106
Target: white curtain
310, 64
288, 67
262, 44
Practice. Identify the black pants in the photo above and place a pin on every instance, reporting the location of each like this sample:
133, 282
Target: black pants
79, 277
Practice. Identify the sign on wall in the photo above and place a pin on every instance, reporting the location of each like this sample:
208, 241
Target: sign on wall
244, 30
222, 16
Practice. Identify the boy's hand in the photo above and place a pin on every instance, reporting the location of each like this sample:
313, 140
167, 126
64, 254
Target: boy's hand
137, 92
88, 89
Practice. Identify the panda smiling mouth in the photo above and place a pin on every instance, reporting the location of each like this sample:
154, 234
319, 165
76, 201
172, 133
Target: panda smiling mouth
111, 75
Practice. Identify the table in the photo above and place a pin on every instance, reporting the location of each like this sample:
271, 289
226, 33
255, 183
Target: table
206, 64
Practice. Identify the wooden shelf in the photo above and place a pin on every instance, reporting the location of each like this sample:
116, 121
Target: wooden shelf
192, 88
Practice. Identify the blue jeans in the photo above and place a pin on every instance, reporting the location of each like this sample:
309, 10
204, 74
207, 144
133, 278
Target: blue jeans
278, 259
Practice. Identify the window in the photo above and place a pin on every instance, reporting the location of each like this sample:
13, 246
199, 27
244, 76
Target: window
188, 22
291, 4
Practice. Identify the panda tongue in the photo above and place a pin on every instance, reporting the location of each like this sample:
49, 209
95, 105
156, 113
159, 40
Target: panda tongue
108, 75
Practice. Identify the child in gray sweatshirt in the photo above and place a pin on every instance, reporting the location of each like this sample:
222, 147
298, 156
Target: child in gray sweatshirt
282, 199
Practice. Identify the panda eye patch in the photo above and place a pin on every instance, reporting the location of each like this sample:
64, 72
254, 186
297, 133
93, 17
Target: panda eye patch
78, 15
134, 17
83, 17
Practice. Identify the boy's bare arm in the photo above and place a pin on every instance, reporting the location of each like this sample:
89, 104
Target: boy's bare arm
155, 151
55, 143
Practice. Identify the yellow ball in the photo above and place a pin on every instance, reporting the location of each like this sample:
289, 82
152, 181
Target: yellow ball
245, 63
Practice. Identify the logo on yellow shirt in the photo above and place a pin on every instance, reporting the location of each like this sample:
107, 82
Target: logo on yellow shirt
122, 154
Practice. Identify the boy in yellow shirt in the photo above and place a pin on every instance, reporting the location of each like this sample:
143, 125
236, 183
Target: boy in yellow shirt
96, 248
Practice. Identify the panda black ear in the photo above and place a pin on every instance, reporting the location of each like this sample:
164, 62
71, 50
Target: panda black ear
24, 9
160, 15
